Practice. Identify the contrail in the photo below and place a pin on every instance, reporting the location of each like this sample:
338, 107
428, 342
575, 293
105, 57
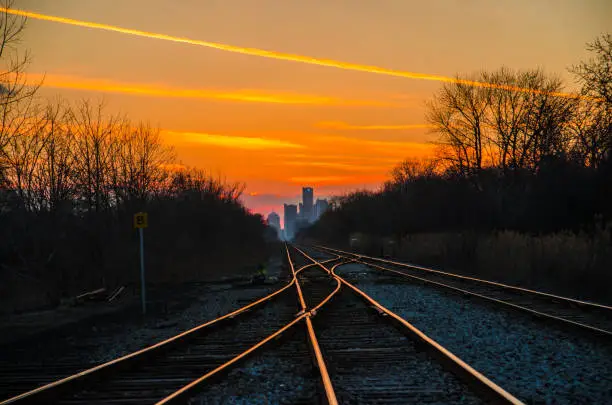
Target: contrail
273, 54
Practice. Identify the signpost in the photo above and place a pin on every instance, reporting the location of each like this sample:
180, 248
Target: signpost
141, 221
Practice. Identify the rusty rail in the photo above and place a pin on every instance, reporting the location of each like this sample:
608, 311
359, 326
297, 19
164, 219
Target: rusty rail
43, 393
478, 280
189, 390
326, 380
469, 375
539, 314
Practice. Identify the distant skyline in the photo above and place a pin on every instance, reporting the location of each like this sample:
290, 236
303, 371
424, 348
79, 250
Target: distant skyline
277, 125
269, 203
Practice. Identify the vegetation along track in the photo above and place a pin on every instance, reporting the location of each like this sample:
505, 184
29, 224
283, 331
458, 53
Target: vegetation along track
587, 316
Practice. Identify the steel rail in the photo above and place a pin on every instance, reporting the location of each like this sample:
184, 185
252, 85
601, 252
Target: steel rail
338, 286
498, 301
338, 283
309, 265
464, 370
182, 394
189, 390
297, 283
478, 280
538, 314
326, 380
37, 394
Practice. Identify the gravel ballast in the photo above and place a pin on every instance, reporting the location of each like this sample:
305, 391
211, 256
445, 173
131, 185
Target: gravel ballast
282, 373
65, 355
208, 305
535, 362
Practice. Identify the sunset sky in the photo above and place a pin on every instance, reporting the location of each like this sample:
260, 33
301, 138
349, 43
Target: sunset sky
279, 124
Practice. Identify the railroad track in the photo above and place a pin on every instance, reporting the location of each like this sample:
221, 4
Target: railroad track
581, 315
371, 355
371, 361
41, 359
360, 352
150, 375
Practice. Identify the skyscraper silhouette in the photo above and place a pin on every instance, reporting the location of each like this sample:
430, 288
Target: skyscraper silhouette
290, 219
307, 201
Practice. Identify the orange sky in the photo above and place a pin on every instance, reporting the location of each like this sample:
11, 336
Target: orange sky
279, 124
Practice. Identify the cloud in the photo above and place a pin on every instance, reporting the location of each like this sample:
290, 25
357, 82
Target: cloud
345, 126
356, 158
156, 90
330, 165
389, 146
318, 179
271, 54
229, 141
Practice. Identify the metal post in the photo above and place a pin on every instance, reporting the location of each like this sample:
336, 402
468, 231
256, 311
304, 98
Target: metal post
142, 272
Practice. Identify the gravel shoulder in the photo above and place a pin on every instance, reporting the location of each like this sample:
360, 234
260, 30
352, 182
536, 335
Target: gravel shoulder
97, 336
210, 303
535, 362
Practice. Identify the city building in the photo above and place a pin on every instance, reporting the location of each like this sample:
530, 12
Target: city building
290, 220
274, 222
320, 207
300, 224
307, 200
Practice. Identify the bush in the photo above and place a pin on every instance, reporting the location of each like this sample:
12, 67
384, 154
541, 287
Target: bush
573, 264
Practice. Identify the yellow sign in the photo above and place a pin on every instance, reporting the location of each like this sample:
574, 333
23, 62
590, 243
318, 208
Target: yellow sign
141, 220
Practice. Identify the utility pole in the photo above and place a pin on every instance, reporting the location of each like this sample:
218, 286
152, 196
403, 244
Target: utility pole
141, 222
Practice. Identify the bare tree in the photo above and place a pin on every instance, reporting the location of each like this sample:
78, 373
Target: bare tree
547, 115
595, 75
592, 125
55, 173
95, 145
412, 169
22, 154
511, 125
589, 131
457, 113
140, 161
16, 101
197, 183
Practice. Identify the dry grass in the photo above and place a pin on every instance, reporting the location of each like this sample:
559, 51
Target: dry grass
577, 265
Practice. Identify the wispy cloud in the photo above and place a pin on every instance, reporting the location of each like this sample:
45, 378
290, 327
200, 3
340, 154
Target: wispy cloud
157, 90
345, 126
318, 179
270, 54
229, 141
356, 158
365, 143
330, 165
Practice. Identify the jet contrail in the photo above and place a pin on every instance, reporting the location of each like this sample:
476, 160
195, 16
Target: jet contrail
273, 54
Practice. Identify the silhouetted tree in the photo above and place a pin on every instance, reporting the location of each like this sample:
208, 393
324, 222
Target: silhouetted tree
457, 113
512, 124
592, 125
